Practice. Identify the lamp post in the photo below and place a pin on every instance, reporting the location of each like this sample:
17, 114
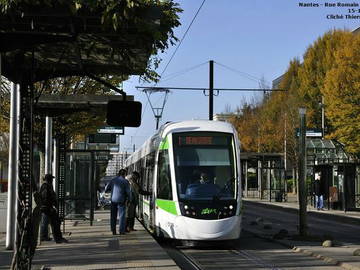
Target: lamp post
322, 117
302, 174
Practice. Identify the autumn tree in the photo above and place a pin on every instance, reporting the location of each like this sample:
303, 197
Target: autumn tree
342, 94
247, 127
4, 105
318, 60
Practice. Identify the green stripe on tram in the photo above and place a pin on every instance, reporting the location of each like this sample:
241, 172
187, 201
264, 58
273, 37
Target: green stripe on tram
168, 206
164, 145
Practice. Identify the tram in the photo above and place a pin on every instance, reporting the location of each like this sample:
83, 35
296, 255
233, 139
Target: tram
193, 171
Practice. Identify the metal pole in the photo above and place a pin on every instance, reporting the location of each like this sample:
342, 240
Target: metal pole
322, 116
302, 175
211, 89
259, 178
55, 163
12, 172
48, 144
246, 178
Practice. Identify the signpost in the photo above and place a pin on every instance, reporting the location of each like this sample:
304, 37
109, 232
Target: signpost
112, 130
102, 138
315, 133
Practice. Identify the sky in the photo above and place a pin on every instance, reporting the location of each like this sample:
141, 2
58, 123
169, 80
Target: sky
250, 42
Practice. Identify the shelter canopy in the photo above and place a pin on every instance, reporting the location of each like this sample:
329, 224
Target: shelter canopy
39, 41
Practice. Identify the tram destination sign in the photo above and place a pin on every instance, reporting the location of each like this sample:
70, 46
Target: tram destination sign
202, 140
112, 130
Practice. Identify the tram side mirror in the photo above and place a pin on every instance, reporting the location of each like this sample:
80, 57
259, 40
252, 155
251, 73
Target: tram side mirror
123, 113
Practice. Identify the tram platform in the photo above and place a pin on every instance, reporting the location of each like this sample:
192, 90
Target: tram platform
94, 247
345, 255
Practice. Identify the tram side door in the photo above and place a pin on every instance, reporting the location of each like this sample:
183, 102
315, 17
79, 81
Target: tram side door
150, 168
163, 182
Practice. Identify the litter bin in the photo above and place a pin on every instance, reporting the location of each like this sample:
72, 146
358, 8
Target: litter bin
278, 196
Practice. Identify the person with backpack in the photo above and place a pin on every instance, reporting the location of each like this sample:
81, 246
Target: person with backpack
48, 207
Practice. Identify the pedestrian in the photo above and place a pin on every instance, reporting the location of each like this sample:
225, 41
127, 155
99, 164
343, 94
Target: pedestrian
49, 211
133, 202
120, 193
318, 192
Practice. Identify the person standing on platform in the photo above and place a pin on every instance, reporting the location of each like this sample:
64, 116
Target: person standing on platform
120, 193
133, 202
318, 192
49, 209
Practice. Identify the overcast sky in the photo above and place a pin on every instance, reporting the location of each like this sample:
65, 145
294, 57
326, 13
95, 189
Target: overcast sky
249, 40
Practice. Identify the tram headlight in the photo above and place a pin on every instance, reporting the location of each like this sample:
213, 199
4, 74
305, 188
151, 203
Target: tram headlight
186, 207
228, 210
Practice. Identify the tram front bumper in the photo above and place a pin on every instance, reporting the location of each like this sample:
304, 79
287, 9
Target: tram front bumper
199, 229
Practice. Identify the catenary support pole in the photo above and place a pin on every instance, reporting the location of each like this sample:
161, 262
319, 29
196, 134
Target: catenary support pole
48, 144
12, 171
55, 163
211, 89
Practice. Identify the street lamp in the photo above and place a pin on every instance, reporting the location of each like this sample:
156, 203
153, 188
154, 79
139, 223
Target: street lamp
302, 174
322, 105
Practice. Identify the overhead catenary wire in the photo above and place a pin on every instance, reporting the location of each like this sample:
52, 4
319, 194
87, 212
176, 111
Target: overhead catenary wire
154, 88
183, 37
181, 72
243, 74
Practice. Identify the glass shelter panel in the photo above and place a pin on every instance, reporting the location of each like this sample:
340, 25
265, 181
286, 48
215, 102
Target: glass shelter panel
78, 185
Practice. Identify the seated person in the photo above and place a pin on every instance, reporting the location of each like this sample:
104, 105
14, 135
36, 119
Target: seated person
202, 187
204, 179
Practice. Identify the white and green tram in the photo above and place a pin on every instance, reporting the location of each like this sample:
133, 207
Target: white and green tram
193, 171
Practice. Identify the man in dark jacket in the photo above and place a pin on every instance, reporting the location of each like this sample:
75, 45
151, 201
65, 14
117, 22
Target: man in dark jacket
120, 193
49, 209
318, 192
133, 202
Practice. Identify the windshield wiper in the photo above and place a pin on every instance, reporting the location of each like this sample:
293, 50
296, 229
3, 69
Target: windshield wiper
226, 187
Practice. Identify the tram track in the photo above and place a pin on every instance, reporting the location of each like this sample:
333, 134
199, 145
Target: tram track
256, 259
183, 260
213, 258
250, 252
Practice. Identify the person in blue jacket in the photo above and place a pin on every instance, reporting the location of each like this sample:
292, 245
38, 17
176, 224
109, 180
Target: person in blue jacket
120, 193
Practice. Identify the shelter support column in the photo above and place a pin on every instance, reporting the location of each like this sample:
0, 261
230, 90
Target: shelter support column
48, 144
25, 242
246, 177
12, 171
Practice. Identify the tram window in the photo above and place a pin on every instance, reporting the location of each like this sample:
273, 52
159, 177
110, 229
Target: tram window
164, 180
150, 160
209, 153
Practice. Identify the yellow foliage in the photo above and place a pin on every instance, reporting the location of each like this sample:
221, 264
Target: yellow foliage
342, 94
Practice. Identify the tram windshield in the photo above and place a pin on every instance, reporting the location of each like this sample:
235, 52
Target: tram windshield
204, 165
